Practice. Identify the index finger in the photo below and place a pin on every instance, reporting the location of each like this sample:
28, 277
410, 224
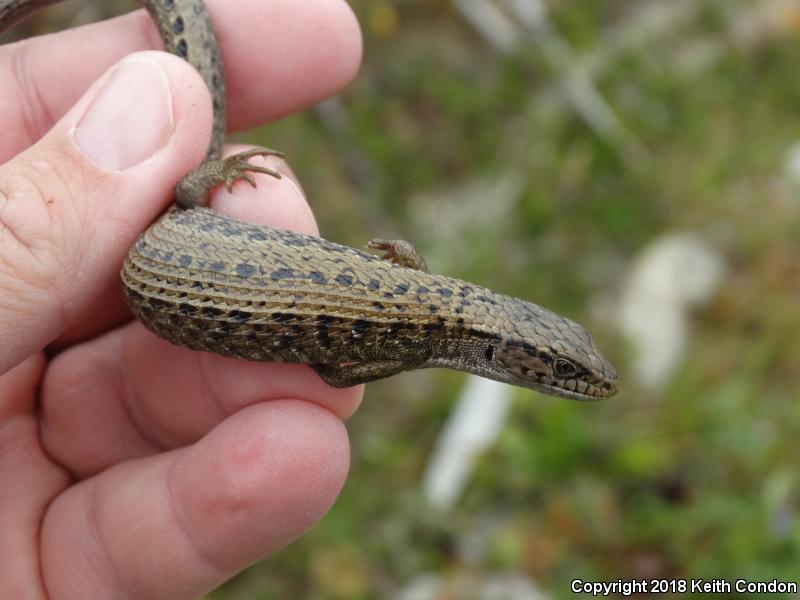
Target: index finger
280, 56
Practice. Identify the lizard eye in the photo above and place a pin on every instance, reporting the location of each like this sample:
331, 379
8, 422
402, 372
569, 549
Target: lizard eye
564, 369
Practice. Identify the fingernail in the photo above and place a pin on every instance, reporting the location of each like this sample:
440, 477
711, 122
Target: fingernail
130, 118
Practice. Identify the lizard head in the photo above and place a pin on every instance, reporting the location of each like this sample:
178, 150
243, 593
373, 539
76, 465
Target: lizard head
543, 351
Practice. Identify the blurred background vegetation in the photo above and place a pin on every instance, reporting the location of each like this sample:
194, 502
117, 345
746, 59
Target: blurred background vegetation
539, 154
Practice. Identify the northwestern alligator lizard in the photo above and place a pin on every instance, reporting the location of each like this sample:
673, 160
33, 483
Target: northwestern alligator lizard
203, 280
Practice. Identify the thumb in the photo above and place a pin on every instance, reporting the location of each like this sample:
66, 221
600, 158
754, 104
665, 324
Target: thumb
72, 204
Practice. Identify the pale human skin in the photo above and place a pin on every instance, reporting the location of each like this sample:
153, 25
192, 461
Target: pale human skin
130, 467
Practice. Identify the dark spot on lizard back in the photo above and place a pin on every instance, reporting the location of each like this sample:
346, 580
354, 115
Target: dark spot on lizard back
181, 49
284, 273
217, 267
245, 270
317, 277
401, 288
373, 285
445, 292
185, 260
422, 290
231, 230
296, 240
345, 280
178, 26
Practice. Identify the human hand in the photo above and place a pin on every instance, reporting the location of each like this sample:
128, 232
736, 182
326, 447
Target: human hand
130, 467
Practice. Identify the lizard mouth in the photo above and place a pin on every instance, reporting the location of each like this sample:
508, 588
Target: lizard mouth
595, 391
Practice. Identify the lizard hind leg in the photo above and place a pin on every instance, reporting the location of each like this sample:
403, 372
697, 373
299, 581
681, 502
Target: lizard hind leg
400, 252
192, 190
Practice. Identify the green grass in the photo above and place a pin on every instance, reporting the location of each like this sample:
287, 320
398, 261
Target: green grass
698, 481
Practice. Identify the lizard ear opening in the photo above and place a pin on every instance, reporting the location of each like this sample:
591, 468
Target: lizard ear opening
489, 353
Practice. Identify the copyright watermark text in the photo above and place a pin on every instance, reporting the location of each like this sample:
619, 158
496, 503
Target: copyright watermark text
679, 586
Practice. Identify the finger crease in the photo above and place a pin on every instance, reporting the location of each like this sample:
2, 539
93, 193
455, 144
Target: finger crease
35, 115
115, 580
206, 385
188, 532
5, 229
130, 397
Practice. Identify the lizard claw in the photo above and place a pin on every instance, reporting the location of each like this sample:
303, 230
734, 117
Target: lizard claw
238, 166
193, 189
